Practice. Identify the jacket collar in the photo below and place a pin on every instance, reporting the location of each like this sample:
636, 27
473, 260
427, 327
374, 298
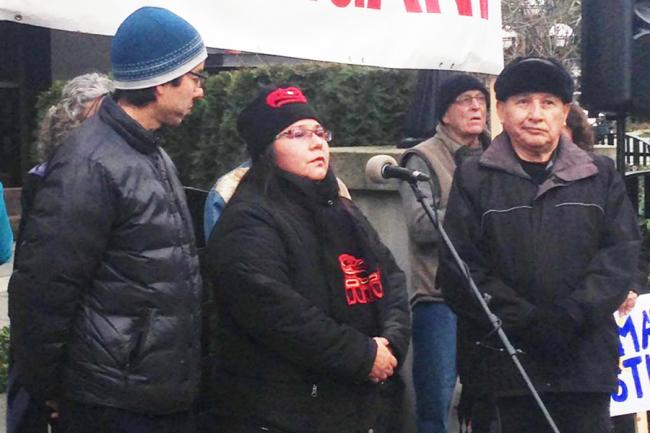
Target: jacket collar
570, 164
442, 132
132, 132
313, 193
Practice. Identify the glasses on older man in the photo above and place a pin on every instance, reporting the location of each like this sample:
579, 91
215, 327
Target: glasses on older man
302, 133
467, 100
199, 77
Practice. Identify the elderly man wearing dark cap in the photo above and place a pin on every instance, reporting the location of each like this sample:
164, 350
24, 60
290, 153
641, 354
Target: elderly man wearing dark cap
105, 296
548, 234
462, 103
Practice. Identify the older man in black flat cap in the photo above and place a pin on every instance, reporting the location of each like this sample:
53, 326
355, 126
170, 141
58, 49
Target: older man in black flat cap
548, 233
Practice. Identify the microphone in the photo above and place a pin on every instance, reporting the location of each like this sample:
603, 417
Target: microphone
382, 167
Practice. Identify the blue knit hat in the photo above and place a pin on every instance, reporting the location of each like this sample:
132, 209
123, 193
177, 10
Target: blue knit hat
154, 46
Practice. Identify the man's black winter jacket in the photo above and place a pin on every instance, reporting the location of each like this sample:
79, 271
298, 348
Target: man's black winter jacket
571, 243
105, 296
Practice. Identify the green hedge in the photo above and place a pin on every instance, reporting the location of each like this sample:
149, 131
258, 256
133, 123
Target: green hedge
361, 105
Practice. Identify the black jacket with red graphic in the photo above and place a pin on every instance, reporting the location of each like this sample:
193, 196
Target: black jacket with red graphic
296, 344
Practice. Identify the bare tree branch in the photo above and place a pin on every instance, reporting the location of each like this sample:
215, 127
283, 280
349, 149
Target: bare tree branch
533, 20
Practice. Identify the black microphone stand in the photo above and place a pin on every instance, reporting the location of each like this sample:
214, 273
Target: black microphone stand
483, 300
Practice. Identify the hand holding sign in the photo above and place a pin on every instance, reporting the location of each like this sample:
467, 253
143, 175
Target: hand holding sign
634, 352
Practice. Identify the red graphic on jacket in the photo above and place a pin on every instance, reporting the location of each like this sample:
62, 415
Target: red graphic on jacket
285, 95
360, 287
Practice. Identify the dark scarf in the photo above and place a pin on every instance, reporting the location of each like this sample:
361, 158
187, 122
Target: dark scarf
539, 171
350, 262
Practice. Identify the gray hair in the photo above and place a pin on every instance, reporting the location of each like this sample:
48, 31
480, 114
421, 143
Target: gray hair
70, 111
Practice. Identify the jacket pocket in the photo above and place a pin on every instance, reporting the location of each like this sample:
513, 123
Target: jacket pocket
140, 339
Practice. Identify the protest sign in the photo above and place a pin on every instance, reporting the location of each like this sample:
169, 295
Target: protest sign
633, 393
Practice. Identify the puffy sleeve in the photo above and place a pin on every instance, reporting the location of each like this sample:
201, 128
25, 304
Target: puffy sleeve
61, 247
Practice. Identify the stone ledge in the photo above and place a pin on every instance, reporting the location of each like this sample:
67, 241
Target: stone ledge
606, 150
349, 164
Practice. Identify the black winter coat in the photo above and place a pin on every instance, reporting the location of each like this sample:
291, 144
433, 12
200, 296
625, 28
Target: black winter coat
572, 242
295, 356
105, 295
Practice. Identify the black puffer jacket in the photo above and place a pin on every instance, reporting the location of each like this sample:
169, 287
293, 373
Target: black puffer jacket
105, 296
571, 242
295, 355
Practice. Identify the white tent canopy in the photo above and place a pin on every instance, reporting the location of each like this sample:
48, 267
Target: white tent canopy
460, 35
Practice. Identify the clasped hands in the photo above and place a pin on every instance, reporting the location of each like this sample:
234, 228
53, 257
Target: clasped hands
385, 362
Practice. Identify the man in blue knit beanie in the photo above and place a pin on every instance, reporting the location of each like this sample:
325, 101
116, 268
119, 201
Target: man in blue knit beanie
105, 296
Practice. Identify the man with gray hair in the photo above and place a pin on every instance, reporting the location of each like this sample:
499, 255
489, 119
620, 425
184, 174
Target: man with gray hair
549, 236
461, 104
80, 99
105, 296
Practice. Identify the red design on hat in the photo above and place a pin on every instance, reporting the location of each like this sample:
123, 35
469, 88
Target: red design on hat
283, 96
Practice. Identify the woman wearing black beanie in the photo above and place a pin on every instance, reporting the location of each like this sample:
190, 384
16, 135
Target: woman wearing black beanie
313, 316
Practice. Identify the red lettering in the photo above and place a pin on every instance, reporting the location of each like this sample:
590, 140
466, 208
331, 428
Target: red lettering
375, 4
464, 7
413, 6
369, 4
433, 7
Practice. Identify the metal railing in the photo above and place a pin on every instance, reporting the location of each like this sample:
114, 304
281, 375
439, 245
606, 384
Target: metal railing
637, 184
637, 150
637, 180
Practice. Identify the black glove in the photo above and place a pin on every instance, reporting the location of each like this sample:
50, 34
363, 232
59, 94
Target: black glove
552, 331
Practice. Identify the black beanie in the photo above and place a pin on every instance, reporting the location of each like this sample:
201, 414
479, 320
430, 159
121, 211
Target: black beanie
274, 108
454, 86
534, 74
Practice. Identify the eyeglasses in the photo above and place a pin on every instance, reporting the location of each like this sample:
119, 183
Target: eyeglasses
466, 101
302, 133
199, 77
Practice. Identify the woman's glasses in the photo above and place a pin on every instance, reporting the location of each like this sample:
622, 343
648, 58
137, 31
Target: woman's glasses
302, 133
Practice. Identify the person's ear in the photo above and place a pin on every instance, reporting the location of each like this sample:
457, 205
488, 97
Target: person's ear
501, 110
160, 90
566, 108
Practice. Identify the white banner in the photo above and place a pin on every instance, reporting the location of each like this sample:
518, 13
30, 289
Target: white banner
633, 393
460, 35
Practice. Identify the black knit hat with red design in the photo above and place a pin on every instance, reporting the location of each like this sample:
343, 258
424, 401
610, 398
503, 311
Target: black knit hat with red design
272, 110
